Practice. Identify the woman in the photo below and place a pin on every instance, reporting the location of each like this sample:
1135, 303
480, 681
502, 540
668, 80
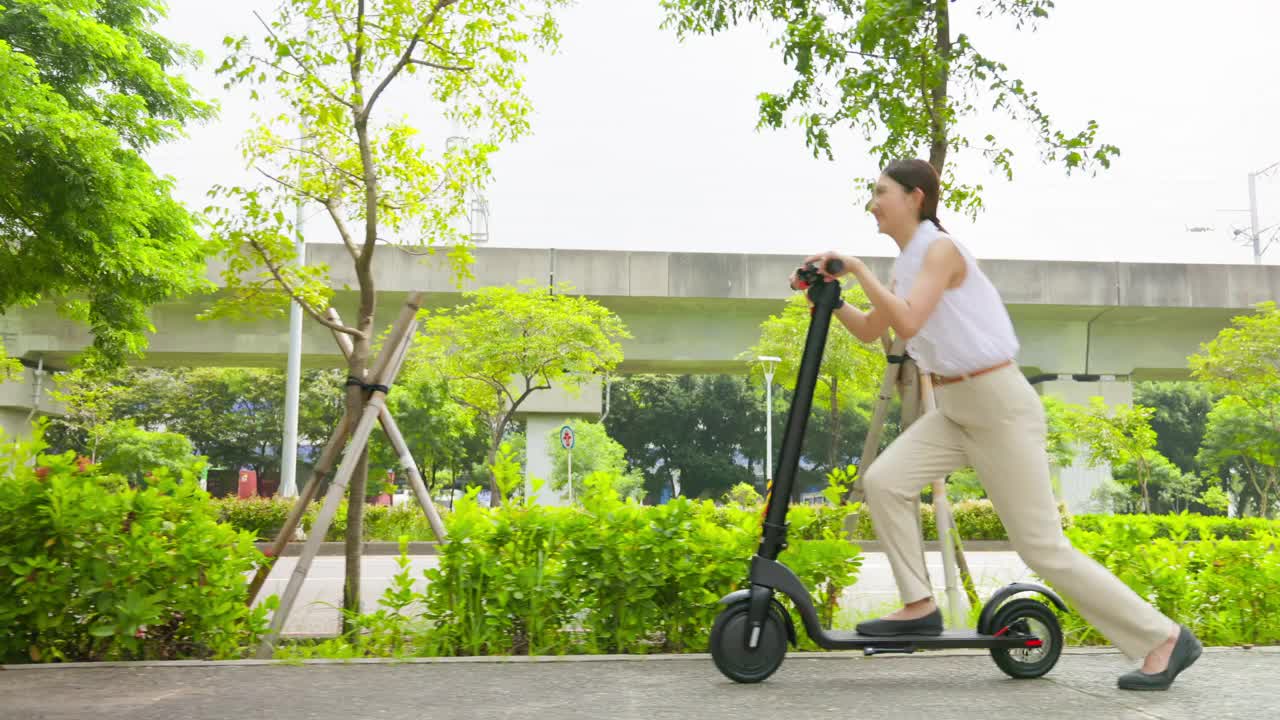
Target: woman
988, 417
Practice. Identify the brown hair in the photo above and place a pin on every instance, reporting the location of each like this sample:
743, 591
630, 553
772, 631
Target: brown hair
915, 173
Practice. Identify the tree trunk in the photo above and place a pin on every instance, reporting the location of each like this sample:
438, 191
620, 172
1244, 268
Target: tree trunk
357, 367
493, 460
355, 539
938, 91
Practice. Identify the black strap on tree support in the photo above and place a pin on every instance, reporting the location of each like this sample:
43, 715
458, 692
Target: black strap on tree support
368, 387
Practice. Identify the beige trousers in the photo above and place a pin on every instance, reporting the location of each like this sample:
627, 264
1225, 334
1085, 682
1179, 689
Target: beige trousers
995, 423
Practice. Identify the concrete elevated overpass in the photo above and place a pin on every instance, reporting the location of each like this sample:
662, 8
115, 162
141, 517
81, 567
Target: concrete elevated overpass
695, 313
698, 312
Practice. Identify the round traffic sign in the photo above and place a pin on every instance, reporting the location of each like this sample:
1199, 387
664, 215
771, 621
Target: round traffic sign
566, 437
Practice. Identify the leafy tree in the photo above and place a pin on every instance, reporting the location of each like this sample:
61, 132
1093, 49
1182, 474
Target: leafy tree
504, 344
87, 87
333, 64
898, 72
1181, 411
1242, 365
440, 433
1244, 360
1171, 489
593, 452
850, 373
134, 453
1240, 445
702, 429
231, 415
1120, 436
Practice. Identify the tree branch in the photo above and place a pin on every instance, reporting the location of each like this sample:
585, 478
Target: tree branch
289, 185
405, 58
455, 68
343, 231
302, 65
322, 158
275, 272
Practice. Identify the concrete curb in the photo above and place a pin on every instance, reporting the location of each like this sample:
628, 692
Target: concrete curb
569, 659
337, 549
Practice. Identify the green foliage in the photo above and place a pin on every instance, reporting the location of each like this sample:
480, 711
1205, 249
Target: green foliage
85, 89
897, 73
975, 520
232, 416
593, 452
134, 453
1241, 445
375, 176
439, 432
1216, 499
696, 427
743, 495
609, 576
263, 517
10, 368
1244, 360
851, 370
1217, 587
1120, 436
1242, 364
96, 570
1184, 525
505, 343
1181, 410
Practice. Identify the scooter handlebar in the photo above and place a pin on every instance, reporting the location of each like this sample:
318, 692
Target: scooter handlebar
808, 275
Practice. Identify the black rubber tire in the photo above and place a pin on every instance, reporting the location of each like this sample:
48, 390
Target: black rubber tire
728, 645
1027, 609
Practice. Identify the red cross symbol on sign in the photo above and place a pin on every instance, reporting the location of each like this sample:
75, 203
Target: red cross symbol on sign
566, 437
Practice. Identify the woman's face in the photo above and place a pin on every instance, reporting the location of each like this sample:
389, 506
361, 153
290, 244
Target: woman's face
892, 206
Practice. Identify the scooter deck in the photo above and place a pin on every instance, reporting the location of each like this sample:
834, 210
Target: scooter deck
846, 640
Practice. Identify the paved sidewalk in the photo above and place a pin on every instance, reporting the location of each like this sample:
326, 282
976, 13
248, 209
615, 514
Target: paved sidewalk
1225, 683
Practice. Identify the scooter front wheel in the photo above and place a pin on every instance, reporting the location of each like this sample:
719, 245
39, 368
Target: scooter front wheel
1034, 620
729, 644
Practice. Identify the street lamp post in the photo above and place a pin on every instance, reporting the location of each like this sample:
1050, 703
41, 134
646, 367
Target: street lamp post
769, 364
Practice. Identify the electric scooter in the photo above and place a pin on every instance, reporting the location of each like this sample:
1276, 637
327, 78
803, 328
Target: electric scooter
750, 636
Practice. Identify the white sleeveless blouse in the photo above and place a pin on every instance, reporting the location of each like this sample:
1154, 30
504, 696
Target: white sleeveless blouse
970, 329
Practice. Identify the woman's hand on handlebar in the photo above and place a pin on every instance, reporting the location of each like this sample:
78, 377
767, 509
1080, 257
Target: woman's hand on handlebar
821, 259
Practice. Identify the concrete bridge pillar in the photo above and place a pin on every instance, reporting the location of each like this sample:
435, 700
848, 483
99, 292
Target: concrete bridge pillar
544, 413
19, 395
1078, 481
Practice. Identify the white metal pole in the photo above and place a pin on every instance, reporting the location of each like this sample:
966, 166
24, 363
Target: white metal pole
769, 364
768, 451
570, 476
293, 379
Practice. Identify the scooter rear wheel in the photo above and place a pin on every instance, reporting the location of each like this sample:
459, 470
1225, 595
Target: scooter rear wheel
729, 645
1032, 618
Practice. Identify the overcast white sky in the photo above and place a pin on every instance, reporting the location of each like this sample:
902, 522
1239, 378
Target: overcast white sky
641, 142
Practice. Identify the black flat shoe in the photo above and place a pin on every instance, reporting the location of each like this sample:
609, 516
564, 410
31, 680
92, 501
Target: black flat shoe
1185, 652
930, 624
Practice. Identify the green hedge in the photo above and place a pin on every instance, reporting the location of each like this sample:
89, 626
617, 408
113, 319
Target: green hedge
1227, 591
975, 519
609, 577
92, 569
265, 516
1180, 527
